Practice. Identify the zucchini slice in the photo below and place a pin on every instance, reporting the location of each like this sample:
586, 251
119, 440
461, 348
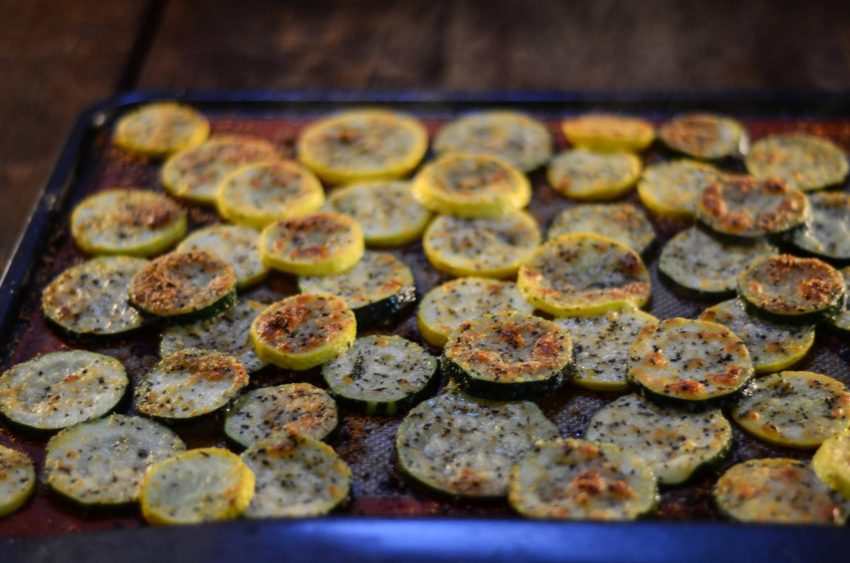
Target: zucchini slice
448, 305
303, 331
841, 321
582, 275
321, 243
386, 211
381, 375
378, 288
60, 389
704, 136
236, 245
227, 333
803, 161
689, 363
831, 463
202, 485
182, 287
608, 133
515, 137
508, 356
601, 346
671, 189
91, 298
160, 129
586, 175
262, 193
581, 480
102, 462
827, 233
746, 207
468, 185
195, 173
622, 222
776, 490
189, 383
708, 265
462, 446
296, 477
786, 288
772, 346
795, 409
269, 412
492, 247
675, 444
361, 145
17, 479
132, 222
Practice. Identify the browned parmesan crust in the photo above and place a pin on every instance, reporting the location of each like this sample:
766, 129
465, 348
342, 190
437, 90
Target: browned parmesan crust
747, 207
184, 286
788, 287
704, 136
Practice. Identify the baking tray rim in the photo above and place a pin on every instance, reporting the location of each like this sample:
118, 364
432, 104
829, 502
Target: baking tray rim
435, 538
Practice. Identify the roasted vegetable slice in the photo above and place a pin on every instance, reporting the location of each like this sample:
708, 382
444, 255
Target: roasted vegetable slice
202, 485
706, 264
195, 173
102, 462
622, 222
582, 275
689, 363
671, 188
832, 463
296, 476
772, 346
776, 490
745, 207
386, 211
508, 356
704, 136
462, 446
841, 321
238, 246
381, 374
17, 479
361, 145
132, 222
321, 243
827, 233
586, 175
303, 331
608, 133
160, 129
262, 193
490, 247
227, 332
786, 288
184, 287
189, 383
602, 344
796, 409
511, 136
90, 299
581, 480
266, 414
675, 444
469, 185
378, 288
448, 305
803, 161
60, 389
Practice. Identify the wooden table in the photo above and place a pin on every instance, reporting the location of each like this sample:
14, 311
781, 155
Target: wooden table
58, 56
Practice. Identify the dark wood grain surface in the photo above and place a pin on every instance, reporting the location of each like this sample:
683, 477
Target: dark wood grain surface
57, 57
